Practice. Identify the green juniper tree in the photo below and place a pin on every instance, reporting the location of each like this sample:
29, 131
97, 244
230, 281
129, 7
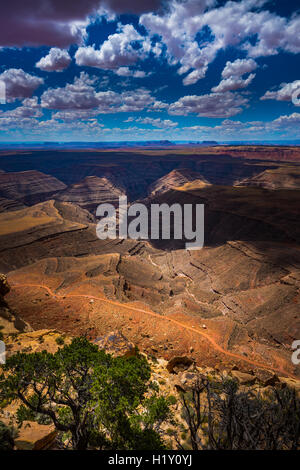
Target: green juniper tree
93, 399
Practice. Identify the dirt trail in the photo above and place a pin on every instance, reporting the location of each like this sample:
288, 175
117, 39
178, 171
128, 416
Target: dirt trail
161, 317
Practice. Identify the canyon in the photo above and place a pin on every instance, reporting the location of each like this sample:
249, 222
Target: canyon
234, 302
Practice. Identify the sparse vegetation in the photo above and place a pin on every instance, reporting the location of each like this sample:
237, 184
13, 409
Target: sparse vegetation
60, 340
220, 416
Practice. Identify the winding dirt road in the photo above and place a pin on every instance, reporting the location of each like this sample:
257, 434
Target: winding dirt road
215, 345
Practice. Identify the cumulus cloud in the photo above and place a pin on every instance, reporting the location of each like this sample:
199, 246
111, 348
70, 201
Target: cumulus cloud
177, 29
128, 101
119, 50
285, 126
56, 61
209, 105
230, 25
19, 84
76, 114
286, 122
81, 95
233, 83
238, 68
78, 95
127, 72
155, 122
284, 93
158, 106
227, 126
232, 75
29, 108
194, 76
23, 116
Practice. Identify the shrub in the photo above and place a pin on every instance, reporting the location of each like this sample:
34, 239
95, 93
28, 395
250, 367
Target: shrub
221, 416
93, 399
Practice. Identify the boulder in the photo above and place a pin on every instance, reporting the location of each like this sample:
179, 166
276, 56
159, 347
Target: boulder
243, 378
179, 363
189, 379
185, 381
116, 344
266, 377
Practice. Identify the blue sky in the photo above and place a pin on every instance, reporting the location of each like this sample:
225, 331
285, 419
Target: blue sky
128, 70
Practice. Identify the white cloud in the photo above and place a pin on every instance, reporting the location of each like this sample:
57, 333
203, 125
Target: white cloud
194, 76
56, 61
177, 29
287, 122
232, 75
78, 95
127, 72
127, 101
117, 51
158, 106
226, 127
284, 93
76, 114
19, 84
21, 116
233, 83
156, 122
283, 126
209, 105
238, 68
82, 96
230, 25
29, 108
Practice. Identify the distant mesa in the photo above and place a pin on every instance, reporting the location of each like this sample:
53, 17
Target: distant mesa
209, 142
147, 143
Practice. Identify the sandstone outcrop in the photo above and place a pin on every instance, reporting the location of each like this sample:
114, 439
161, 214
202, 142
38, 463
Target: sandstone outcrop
9, 321
243, 378
286, 177
266, 377
35, 436
176, 179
